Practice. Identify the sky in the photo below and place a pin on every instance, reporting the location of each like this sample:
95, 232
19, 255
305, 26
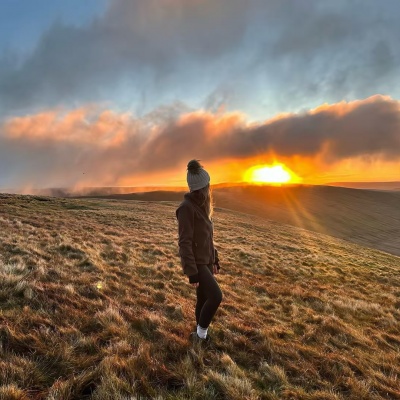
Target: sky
118, 93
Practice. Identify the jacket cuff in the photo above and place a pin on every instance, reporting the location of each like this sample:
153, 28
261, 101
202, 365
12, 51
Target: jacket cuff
216, 256
194, 278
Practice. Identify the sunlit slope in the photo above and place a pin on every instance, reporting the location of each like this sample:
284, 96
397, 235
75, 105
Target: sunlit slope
366, 217
93, 305
370, 218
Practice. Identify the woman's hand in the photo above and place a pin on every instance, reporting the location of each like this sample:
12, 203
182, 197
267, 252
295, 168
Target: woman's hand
215, 269
196, 284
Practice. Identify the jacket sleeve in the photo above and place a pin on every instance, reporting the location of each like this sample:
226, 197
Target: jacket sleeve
185, 216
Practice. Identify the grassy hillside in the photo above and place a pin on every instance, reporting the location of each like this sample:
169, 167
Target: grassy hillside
366, 217
93, 305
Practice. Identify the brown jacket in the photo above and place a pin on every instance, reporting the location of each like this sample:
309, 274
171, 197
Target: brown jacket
196, 244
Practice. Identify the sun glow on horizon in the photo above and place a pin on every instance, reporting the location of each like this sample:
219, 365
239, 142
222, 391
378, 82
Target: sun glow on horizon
271, 174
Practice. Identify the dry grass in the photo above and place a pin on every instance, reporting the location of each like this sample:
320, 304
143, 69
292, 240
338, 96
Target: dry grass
365, 217
93, 305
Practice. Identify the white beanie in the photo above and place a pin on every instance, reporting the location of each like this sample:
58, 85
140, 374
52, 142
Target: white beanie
197, 176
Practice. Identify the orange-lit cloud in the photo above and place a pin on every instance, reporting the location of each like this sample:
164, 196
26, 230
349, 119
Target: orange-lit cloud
87, 146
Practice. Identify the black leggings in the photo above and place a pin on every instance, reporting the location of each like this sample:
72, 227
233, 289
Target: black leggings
209, 296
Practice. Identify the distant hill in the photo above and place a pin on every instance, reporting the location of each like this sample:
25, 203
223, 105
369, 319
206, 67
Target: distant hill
93, 305
89, 191
368, 185
112, 190
157, 195
366, 217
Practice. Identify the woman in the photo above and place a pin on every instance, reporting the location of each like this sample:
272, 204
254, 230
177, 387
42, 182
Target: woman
199, 258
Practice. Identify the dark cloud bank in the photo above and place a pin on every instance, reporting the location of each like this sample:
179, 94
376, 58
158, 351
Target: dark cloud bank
56, 149
294, 52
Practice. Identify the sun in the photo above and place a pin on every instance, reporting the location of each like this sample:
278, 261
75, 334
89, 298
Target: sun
272, 174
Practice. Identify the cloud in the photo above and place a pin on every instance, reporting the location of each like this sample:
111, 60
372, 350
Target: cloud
136, 44
89, 146
343, 130
256, 56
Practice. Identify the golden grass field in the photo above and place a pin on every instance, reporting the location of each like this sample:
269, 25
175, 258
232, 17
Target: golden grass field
93, 305
367, 217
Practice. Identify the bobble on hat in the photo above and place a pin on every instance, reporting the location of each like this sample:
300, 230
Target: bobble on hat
197, 176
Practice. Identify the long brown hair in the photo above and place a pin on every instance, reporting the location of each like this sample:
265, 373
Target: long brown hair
207, 200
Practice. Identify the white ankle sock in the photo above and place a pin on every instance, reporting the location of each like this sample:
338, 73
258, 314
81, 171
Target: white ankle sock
201, 332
